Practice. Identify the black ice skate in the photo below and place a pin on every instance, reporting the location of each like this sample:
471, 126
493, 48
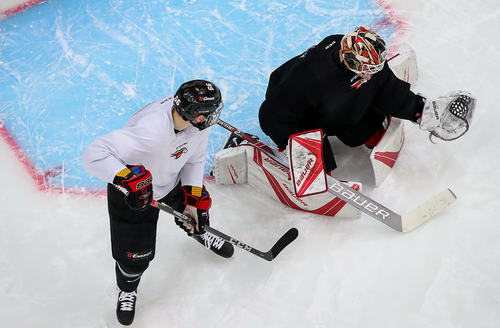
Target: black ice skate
216, 245
125, 307
232, 141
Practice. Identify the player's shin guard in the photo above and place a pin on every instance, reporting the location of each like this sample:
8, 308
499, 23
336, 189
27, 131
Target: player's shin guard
129, 276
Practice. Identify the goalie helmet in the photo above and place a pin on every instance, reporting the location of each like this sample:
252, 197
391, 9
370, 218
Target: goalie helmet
363, 52
199, 97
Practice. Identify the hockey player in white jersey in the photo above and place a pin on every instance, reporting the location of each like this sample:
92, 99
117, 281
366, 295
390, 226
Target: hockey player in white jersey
160, 155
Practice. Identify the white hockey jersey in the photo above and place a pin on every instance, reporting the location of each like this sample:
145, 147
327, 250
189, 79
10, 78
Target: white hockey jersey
149, 139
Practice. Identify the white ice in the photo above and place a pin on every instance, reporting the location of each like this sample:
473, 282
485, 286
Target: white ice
8, 5
56, 269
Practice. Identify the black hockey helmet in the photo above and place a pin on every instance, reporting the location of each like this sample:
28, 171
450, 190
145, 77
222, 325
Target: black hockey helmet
199, 97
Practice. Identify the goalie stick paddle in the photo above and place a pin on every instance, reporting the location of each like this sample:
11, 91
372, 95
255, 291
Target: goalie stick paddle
402, 223
270, 255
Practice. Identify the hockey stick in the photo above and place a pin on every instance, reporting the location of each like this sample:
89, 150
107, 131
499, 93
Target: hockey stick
245, 136
402, 223
270, 255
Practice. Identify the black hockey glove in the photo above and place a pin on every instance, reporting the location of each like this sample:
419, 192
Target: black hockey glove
197, 202
139, 185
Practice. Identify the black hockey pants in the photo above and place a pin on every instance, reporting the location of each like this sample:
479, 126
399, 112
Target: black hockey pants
353, 136
133, 235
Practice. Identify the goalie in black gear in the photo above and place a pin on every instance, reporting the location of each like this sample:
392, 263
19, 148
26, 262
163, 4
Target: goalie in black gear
343, 87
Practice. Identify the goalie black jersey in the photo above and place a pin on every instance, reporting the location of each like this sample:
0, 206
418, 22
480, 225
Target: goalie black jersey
314, 90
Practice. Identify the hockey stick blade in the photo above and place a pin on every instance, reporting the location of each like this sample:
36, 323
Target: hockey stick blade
427, 210
283, 242
270, 255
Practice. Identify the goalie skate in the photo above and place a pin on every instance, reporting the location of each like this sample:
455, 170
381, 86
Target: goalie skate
232, 141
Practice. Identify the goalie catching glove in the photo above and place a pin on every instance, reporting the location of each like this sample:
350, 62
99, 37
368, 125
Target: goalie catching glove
448, 117
197, 202
138, 183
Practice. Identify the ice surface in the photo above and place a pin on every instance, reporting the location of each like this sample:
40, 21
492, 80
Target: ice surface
74, 70
56, 268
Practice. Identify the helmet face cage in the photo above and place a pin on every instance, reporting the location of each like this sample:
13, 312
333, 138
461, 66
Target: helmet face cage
199, 97
363, 52
211, 119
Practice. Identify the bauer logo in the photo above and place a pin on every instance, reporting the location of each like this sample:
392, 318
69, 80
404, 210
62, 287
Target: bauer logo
330, 45
305, 171
298, 199
358, 200
435, 108
276, 164
233, 173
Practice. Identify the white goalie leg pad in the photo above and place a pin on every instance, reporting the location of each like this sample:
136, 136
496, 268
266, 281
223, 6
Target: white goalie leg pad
385, 154
404, 65
249, 164
230, 166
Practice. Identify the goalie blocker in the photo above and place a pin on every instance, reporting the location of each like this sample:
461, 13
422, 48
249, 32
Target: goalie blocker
246, 163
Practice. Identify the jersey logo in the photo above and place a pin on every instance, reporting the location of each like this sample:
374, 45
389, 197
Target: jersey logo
178, 153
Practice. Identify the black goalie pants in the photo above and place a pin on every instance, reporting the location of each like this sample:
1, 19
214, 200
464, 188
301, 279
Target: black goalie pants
353, 136
133, 235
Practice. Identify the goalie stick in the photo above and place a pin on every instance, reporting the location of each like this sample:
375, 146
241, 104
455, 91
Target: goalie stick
270, 255
402, 223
